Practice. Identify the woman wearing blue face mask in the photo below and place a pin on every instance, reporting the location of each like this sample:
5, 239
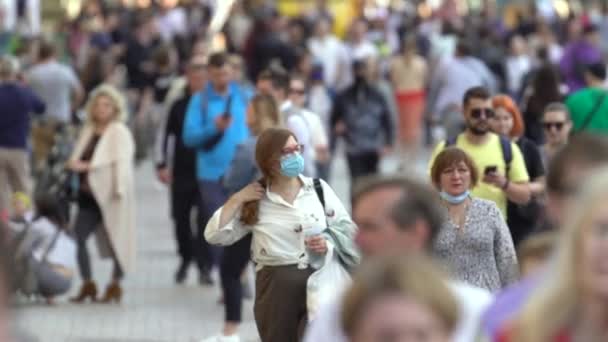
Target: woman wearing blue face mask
292, 231
474, 243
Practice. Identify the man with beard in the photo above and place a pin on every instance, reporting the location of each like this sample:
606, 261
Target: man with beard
504, 178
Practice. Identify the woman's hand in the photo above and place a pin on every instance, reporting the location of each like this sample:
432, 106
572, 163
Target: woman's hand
78, 166
317, 244
252, 192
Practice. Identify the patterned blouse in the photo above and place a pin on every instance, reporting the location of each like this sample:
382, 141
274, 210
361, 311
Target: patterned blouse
482, 254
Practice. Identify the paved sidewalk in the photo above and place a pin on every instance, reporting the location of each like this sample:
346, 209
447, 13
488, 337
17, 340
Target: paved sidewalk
153, 308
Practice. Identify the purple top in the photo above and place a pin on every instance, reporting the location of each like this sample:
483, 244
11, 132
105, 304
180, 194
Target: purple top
576, 56
508, 303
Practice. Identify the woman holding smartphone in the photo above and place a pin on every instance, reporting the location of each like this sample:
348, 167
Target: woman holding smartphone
291, 230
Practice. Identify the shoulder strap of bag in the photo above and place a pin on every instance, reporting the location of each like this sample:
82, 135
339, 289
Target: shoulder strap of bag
507, 153
593, 112
51, 246
319, 191
451, 141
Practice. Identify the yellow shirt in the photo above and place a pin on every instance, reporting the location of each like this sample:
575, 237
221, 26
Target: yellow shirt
490, 154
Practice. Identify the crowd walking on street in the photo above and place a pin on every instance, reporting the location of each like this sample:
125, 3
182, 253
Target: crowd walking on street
244, 110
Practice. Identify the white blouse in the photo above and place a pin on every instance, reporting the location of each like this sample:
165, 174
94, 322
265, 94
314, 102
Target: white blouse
63, 252
278, 237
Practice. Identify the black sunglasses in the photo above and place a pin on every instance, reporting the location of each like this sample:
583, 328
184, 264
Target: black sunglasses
557, 124
477, 113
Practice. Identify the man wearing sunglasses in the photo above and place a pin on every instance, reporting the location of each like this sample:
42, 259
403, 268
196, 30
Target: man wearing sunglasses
503, 179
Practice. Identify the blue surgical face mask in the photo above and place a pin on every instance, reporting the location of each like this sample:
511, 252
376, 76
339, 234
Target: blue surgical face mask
292, 165
454, 199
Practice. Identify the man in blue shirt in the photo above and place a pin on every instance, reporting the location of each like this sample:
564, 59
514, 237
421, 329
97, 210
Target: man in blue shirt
17, 102
215, 124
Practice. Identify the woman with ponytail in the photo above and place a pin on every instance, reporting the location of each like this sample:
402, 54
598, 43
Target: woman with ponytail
474, 242
292, 231
262, 114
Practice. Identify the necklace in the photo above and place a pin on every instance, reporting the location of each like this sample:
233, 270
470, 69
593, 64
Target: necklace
458, 221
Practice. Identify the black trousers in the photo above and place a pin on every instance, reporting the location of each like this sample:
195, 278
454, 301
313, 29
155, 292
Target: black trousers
185, 199
88, 220
362, 164
234, 261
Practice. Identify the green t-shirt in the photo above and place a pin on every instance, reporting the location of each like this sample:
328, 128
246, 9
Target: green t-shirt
581, 105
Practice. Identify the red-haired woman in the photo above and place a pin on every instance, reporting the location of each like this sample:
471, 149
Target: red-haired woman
508, 121
292, 231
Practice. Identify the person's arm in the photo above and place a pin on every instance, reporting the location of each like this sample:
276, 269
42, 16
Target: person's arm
77, 90
167, 130
224, 227
387, 123
37, 105
125, 150
504, 250
342, 225
516, 186
196, 131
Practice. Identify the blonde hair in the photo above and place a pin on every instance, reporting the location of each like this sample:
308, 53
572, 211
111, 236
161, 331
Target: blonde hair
555, 301
114, 94
266, 113
23, 198
411, 276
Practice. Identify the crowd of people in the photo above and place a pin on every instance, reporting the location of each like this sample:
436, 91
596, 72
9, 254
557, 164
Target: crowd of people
243, 126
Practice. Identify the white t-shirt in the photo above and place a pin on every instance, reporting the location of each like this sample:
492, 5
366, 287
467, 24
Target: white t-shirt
63, 253
473, 301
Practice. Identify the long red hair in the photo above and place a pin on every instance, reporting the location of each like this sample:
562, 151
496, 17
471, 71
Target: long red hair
505, 102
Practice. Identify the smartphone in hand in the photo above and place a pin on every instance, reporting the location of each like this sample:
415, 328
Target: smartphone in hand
490, 169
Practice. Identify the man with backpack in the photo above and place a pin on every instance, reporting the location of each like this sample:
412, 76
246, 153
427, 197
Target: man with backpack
215, 124
498, 160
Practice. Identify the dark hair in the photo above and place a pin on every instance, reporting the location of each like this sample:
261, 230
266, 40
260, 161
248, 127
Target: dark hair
50, 208
280, 80
545, 90
417, 202
582, 151
46, 50
463, 48
597, 70
448, 158
475, 93
267, 154
218, 60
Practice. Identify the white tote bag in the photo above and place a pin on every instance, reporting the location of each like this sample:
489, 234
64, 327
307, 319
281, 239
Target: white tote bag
325, 283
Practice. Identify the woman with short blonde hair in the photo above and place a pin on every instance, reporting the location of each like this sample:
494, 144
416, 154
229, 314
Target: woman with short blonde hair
103, 159
571, 304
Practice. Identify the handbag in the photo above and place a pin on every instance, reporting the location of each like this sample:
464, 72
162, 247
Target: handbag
216, 138
326, 283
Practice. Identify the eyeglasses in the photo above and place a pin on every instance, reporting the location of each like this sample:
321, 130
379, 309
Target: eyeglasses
477, 113
297, 91
557, 124
292, 149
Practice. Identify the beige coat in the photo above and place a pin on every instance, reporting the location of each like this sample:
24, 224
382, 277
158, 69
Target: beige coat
111, 181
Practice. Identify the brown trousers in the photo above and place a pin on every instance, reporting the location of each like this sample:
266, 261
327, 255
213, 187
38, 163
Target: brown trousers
43, 141
280, 303
14, 175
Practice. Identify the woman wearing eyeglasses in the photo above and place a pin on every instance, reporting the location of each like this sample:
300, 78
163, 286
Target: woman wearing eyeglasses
507, 121
557, 126
288, 221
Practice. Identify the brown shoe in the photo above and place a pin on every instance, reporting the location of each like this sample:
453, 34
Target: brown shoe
88, 290
113, 294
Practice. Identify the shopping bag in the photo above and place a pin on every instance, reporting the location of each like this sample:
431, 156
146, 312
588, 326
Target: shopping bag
326, 283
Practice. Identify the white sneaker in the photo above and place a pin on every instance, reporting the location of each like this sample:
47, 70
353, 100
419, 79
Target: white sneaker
222, 338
